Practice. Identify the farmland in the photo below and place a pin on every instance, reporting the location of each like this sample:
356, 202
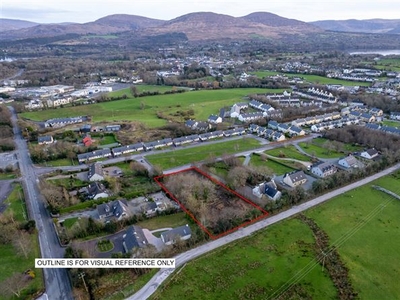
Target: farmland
194, 154
153, 110
261, 265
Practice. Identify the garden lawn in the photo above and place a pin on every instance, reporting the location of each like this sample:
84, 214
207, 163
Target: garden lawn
180, 157
288, 152
364, 224
169, 221
63, 162
145, 109
253, 268
391, 123
275, 166
68, 223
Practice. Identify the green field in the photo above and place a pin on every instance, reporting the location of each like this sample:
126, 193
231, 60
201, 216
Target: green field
145, 109
319, 151
276, 167
16, 204
362, 225
10, 261
195, 154
312, 78
391, 123
63, 162
389, 64
252, 268
288, 152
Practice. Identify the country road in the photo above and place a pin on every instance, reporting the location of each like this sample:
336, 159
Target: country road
57, 282
187, 256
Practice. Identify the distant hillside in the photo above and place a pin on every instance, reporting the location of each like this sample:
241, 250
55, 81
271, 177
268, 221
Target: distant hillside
106, 25
9, 24
209, 26
365, 26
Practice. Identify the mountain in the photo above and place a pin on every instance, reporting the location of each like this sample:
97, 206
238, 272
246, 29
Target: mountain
212, 26
362, 26
107, 25
10, 24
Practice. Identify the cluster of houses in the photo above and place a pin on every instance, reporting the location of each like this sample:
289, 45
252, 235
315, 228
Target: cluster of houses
167, 142
61, 122
276, 131
316, 94
386, 129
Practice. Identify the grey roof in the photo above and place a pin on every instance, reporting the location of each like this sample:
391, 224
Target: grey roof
270, 191
150, 205
297, 176
213, 118
97, 153
175, 233
96, 168
134, 238
324, 166
115, 208
45, 139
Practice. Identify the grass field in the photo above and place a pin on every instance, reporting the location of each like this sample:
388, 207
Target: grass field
63, 162
312, 78
252, 268
274, 166
170, 221
68, 223
6, 176
288, 152
389, 64
203, 103
185, 156
319, 151
104, 245
391, 123
363, 224
105, 139
10, 261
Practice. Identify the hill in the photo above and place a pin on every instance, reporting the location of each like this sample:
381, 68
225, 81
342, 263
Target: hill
362, 26
212, 26
10, 24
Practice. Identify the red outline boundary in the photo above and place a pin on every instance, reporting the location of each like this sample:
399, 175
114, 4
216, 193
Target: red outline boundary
212, 236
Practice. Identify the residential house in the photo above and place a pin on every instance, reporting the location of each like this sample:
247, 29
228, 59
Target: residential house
181, 233
377, 112
134, 239
214, 119
296, 131
191, 124
34, 104
232, 132
248, 117
46, 139
395, 115
95, 190
283, 127
87, 141
367, 118
117, 151
295, 178
150, 208
253, 128
273, 125
278, 136
323, 169
370, 154
117, 209
112, 128
349, 162
97, 154
268, 189
95, 172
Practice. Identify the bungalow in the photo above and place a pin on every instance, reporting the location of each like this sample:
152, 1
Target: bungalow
181, 233
214, 119
117, 151
87, 141
46, 139
369, 154
117, 209
367, 118
150, 208
323, 169
112, 128
395, 115
134, 239
377, 112
349, 162
95, 172
191, 124
295, 178
97, 154
283, 127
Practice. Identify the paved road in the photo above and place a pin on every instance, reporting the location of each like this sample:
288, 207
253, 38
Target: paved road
183, 258
57, 282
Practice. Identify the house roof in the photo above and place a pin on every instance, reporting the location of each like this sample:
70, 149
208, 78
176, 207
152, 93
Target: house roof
45, 139
324, 166
270, 191
351, 160
134, 238
297, 176
175, 233
95, 169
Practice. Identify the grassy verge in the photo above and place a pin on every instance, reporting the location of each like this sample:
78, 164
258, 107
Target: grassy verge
391, 123
16, 204
195, 154
276, 167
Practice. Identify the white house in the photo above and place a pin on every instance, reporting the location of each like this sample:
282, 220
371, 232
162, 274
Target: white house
295, 178
369, 154
323, 169
349, 162
181, 233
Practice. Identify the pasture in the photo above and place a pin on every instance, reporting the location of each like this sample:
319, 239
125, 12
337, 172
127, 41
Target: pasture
153, 111
185, 156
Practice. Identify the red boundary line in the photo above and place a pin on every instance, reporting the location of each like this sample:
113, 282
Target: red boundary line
212, 236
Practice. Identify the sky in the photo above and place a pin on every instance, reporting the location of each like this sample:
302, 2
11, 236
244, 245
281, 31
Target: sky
81, 11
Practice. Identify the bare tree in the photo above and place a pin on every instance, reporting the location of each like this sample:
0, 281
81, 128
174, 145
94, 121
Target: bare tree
22, 244
13, 285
